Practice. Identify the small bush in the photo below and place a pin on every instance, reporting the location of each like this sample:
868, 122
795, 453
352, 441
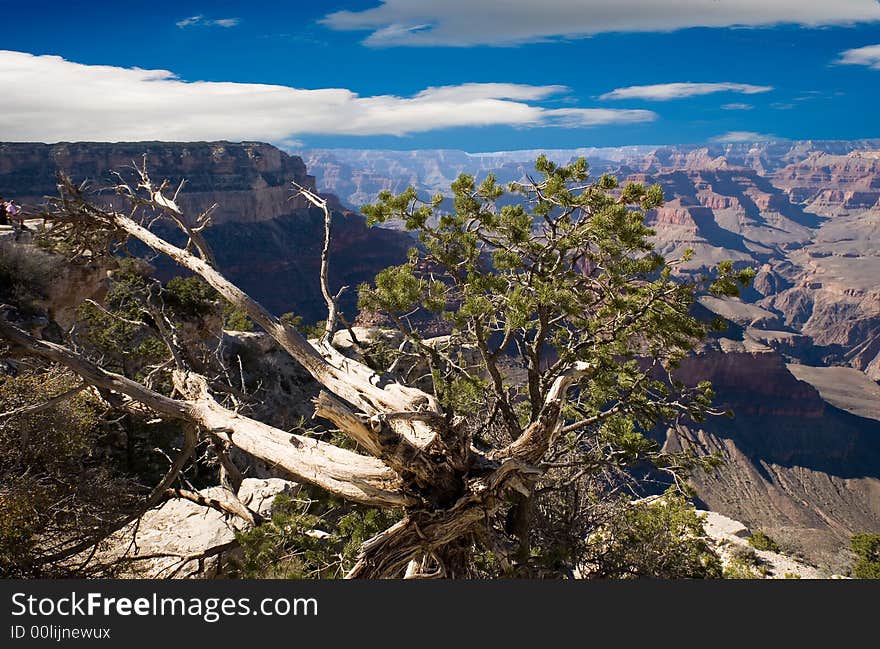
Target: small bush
664, 539
760, 541
125, 345
291, 319
308, 538
867, 549
235, 319
190, 297
744, 563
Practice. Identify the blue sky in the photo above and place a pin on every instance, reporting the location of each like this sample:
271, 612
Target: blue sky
477, 75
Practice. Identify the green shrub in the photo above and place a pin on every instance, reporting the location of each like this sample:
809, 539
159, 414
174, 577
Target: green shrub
235, 319
744, 563
190, 297
308, 330
867, 549
664, 539
291, 319
311, 536
760, 541
125, 345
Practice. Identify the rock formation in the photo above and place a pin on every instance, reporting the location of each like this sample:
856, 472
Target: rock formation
730, 537
248, 182
266, 238
805, 471
168, 542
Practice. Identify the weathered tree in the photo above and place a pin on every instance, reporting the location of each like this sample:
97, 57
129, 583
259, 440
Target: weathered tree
564, 329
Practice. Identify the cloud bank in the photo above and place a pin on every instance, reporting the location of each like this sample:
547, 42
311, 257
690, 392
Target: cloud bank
490, 22
868, 56
667, 91
50, 99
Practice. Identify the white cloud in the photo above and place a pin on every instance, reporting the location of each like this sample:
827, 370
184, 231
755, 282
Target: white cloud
49, 99
737, 106
201, 21
189, 22
869, 56
743, 136
667, 91
490, 22
579, 117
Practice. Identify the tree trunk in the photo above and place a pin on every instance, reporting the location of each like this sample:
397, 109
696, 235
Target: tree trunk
417, 459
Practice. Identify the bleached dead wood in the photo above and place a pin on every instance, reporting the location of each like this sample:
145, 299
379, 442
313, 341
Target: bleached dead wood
347, 474
418, 458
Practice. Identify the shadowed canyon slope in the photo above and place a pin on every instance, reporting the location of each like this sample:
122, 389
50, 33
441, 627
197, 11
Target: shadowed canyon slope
802, 453
265, 238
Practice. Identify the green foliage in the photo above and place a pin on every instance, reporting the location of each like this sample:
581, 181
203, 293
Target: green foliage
308, 538
235, 319
744, 563
397, 291
465, 395
120, 332
730, 281
314, 331
123, 331
190, 297
309, 331
760, 541
867, 549
291, 319
664, 539
564, 273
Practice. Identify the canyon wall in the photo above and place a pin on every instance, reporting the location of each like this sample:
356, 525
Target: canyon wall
249, 181
265, 237
805, 471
